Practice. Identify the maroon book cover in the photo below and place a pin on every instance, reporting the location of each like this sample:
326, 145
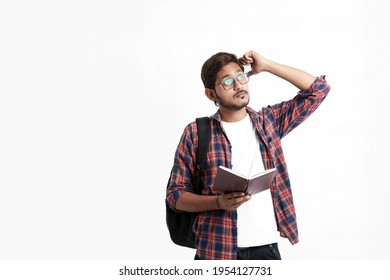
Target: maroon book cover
228, 181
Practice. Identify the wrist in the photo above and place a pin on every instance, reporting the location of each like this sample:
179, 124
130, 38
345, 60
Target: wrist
267, 65
218, 203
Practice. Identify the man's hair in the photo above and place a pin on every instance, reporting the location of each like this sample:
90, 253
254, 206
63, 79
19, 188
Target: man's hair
215, 63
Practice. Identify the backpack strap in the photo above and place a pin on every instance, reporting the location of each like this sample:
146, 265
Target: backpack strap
204, 135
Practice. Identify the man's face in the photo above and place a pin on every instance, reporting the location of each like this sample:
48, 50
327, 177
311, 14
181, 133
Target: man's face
233, 97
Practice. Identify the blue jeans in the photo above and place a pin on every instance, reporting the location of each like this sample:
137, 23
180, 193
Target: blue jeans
265, 252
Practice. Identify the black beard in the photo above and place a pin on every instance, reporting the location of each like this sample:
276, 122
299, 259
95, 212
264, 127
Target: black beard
232, 107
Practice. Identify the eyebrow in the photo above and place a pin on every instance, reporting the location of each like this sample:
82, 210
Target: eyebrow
228, 75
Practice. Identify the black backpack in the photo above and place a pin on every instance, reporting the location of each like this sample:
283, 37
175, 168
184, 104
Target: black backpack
180, 223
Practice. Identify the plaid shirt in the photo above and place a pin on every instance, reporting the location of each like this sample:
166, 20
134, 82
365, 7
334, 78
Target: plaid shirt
216, 231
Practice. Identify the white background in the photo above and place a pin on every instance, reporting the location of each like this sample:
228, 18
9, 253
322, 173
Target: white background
94, 96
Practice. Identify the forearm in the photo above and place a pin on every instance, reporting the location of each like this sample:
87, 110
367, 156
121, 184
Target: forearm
190, 202
298, 78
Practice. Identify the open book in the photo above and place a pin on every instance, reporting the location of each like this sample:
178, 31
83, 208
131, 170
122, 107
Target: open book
228, 181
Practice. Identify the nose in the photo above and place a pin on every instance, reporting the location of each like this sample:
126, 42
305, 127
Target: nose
237, 84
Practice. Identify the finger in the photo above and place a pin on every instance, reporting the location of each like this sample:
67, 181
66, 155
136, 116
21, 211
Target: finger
248, 57
243, 61
239, 200
246, 199
246, 61
236, 194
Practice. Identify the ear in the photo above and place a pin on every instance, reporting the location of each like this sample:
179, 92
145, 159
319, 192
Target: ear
210, 93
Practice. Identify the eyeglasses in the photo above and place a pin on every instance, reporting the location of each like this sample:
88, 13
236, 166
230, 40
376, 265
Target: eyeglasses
228, 83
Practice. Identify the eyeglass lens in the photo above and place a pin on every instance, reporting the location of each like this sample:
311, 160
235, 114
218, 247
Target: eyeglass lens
228, 83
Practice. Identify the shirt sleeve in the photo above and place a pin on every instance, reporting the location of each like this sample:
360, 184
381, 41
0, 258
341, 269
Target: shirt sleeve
181, 175
288, 115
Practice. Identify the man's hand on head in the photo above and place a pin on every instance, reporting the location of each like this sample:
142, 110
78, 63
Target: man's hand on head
257, 62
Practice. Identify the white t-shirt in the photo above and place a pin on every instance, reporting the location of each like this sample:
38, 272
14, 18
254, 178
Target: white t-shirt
256, 219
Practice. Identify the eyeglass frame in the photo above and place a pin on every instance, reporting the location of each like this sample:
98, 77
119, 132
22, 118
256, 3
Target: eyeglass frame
234, 79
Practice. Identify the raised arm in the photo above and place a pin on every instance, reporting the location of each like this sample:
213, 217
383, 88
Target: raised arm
258, 63
290, 114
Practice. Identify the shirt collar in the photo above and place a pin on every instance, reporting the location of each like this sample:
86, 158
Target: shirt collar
252, 114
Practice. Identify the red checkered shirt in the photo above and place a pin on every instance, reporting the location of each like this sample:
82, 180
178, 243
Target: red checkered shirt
216, 231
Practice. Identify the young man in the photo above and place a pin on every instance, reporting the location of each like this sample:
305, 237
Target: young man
235, 225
